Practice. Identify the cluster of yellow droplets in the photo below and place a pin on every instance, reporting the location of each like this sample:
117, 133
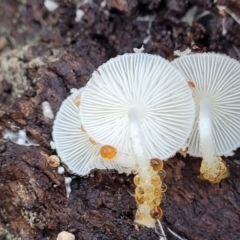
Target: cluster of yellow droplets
214, 171
149, 192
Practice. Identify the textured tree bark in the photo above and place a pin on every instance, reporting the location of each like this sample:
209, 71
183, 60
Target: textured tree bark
48, 54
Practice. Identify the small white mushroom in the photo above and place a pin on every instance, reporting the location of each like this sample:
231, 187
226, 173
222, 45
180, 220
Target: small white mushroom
79, 15
149, 89
216, 130
60, 170
64, 235
79, 152
50, 5
47, 110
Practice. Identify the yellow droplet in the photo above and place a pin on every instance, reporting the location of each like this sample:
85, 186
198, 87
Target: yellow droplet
164, 187
77, 101
139, 191
162, 174
136, 180
156, 180
83, 129
156, 213
92, 141
108, 152
154, 203
156, 164
140, 199
158, 192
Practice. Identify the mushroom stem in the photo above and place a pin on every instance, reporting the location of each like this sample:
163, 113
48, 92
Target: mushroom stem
136, 136
213, 168
205, 130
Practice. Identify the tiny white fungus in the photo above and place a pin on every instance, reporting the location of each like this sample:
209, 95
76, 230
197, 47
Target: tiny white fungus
19, 138
64, 235
52, 144
50, 5
47, 110
79, 15
182, 53
68, 181
138, 50
60, 170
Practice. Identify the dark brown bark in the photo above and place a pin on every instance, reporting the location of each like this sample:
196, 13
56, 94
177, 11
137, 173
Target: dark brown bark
48, 54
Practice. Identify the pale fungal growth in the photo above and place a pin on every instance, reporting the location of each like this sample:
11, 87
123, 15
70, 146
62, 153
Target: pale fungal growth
64, 235
19, 138
60, 170
77, 151
47, 110
182, 53
50, 5
52, 145
216, 129
138, 50
141, 105
148, 87
68, 181
79, 15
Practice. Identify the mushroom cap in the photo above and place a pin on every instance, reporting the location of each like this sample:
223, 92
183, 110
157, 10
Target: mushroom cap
149, 83
73, 145
216, 77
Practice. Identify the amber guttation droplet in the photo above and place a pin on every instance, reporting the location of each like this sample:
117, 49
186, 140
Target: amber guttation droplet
154, 203
156, 180
83, 129
162, 174
77, 101
136, 180
108, 152
191, 84
92, 141
164, 187
158, 192
140, 199
156, 213
139, 191
156, 164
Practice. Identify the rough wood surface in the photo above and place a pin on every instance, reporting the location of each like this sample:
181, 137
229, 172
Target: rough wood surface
47, 54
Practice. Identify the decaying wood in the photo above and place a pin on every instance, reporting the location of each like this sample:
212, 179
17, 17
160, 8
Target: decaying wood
61, 55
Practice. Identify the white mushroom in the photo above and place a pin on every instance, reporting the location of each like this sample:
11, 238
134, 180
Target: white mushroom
140, 104
76, 150
138, 91
216, 130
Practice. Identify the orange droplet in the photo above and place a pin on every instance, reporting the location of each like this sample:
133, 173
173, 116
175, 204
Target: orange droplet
92, 141
83, 129
108, 152
191, 84
156, 213
77, 101
156, 164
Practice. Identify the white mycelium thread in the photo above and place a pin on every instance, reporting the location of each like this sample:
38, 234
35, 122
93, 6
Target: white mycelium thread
73, 145
144, 80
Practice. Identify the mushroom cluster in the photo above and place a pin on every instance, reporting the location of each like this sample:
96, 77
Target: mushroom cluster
139, 109
136, 108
